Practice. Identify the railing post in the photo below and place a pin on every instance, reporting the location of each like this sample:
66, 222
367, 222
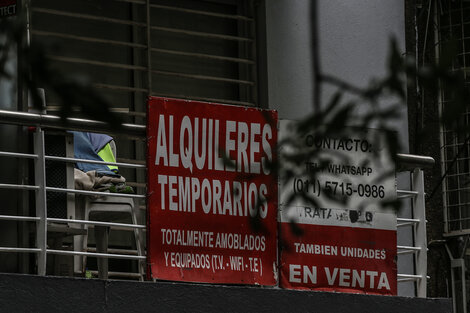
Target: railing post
417, 181
41, 204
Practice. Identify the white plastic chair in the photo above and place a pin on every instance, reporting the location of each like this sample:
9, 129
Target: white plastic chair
109, 209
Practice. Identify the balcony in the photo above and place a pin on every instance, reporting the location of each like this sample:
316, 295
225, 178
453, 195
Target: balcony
44, 250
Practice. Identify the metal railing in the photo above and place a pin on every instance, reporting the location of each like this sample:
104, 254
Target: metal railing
40, 188
417, 222
410, 163
148, 27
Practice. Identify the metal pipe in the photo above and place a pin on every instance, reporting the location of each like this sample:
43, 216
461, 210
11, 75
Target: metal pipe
24, 250
118, 274
180, 96
417, 181
410, 220
204, 56
87, 39
403, 194
87, 16
407, 192
143, 230
204, 77
95, 193
98, 255
404, 280
41, 201
206, 13
53, 121
202, 34
19, 187
120, 88
409, 248
405, 224
74, 160
97, 63
408, 162
415, 277
18, 155
115, 251
19, 218
132, 1
97, 223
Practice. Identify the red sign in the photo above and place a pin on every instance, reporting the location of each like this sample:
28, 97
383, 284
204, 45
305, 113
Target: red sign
333, 258
344, 240
7, 8
212, 197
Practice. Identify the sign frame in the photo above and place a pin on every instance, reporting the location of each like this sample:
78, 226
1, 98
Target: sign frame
347, 242
209, 241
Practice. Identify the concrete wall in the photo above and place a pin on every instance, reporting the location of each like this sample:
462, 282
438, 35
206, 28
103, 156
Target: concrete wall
20, 293
354, 46
289, 57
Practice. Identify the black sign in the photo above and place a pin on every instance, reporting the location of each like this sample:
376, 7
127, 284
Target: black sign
7, 8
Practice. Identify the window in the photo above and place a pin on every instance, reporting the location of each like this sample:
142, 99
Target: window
129, 49
194, 49
454, 25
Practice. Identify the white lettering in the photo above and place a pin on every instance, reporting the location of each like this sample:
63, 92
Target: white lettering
254, 148
162, 180
187, 149
172, 193
267, 135
200, 158
161, 151
331, 277
294, 273
242, 156
229, 144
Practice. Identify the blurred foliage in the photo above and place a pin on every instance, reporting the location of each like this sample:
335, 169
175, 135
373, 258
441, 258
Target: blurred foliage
35, 71
376, 106
379, 105
328, 120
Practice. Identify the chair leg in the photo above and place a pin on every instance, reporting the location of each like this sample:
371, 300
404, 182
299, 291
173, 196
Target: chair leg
57, 245
101, 237
138, 244
80, 242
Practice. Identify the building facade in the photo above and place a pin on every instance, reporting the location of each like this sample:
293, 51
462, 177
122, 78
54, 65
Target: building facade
248, 53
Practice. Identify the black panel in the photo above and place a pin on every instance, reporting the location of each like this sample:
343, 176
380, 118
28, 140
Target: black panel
45, 294
56, 176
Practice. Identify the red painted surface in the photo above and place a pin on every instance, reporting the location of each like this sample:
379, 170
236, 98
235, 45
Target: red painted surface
7, 2
341, 259
8, 8
194, 194
346, 237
